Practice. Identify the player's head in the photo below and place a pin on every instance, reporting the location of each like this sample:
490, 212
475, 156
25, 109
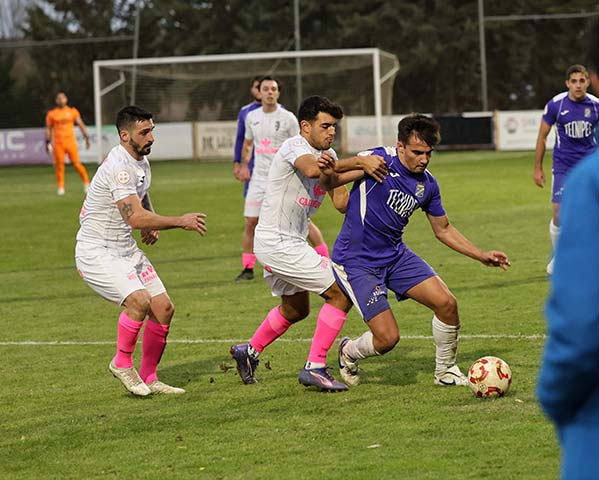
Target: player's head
577, 81
135, 127
255, 87
593, 52
270, 90
417, 137
61, 99
318, 118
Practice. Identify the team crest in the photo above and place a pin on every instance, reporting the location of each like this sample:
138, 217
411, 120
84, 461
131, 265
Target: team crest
123, 177
419, 190
587, 112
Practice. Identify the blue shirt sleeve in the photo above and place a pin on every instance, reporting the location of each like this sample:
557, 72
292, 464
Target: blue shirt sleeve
550, 112
240, 135
570, 366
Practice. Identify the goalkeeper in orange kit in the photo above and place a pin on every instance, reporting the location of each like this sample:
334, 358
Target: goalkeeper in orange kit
60, 139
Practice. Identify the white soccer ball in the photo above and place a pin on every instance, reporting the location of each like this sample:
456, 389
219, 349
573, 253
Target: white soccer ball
490, 377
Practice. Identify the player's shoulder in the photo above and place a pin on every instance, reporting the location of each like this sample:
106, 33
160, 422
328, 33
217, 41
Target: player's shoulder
593, 98
385, 152
558, 98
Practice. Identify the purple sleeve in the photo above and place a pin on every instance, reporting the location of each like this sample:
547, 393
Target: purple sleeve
434, 206
550, 112
240, 135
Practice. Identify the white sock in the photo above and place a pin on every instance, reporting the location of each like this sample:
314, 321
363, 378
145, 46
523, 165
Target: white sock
553, 233
446, 343
361, 347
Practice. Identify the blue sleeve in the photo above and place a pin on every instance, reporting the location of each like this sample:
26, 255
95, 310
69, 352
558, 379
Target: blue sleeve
550, 112
434, 206
570, 365
240, 135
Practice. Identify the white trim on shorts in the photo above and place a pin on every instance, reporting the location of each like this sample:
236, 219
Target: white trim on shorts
341, 276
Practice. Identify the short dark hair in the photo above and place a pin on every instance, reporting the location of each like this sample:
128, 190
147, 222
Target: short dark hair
257, 78
269, 78
593, 45
131, 114
576, 68
425, 128
311, 106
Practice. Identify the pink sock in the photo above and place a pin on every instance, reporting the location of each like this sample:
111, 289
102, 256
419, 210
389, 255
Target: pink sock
126, 339
273, 326
248, 260
329, 324
322, 249
152, 347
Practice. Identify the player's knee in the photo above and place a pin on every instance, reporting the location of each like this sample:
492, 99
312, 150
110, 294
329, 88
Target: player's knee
448, 306
169, 311
294, 314
138, 303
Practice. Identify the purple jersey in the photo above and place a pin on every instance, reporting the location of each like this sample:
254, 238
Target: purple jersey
378, 212
575, 124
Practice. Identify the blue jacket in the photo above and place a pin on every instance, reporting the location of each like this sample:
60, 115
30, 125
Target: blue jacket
568, 386
243, 113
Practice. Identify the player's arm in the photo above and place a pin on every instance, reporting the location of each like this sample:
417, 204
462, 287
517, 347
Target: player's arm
340, 172
238, 144
81, 126
449, 235
139, 218
340, 198
538, 175
48, 138
246, 154
148, 236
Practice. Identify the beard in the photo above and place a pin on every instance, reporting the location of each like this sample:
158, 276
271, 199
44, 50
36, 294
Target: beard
139, 149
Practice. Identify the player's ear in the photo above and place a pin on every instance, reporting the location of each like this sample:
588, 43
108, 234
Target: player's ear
124, 135
305, 126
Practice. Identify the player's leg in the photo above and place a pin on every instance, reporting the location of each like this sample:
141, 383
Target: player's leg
154, 343
58, 156
435, 294
248, 259
251, 212
73, 153
557, 190
316, 239
294, 307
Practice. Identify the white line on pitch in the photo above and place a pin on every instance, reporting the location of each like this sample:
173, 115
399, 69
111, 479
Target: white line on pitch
237, 340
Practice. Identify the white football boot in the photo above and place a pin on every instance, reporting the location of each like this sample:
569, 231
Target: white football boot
450, 377
160, 388
130, 379
348, 368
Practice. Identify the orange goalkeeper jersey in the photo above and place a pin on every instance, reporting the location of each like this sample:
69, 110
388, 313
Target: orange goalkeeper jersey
62, 121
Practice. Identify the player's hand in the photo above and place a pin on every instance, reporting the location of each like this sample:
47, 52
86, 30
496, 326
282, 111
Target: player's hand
149, 237
194, 221
326, 163
48, 148
495, 258
236, 168
538, 177
87, 143
375, 166
244, 173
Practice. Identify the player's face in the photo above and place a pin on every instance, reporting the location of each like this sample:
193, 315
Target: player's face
415, 155
61, 100
140, 137
320, 133
256, 90
577, 84
269, 93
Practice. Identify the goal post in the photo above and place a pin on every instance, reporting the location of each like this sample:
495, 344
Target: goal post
212, 88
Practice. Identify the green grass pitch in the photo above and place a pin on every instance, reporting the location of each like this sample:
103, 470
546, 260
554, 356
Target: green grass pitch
64, 416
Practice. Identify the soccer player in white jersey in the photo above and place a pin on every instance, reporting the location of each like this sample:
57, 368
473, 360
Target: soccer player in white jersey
266, 128
292, 267
575, 114
111, 263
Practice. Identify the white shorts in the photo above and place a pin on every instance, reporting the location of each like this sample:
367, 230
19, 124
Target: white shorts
297, 268
115, 277
254, 197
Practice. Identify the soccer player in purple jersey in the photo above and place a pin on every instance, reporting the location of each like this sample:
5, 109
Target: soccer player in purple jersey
575, 114
370, 257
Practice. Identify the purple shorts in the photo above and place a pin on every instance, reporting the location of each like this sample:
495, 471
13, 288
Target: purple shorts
557, 187
367, 286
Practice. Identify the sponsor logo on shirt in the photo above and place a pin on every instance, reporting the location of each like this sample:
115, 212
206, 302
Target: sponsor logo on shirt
265, 147
401, 203
565, 112
309, 202
578, 129
319, 192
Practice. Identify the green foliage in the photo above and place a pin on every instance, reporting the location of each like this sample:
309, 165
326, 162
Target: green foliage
64, 416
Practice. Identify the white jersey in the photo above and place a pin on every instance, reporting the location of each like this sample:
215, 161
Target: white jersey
291, 198
102, 225
268, 131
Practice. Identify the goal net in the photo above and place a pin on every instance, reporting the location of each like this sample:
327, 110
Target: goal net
212, 88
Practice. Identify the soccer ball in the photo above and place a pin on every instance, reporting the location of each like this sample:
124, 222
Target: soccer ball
490, 377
